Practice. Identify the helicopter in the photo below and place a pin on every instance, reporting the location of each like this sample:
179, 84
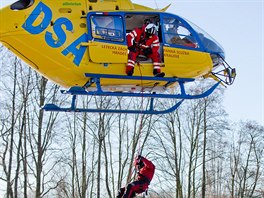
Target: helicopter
81, 45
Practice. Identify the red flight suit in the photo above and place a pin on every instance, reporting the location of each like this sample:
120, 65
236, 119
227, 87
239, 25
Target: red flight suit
144, 177
138, 38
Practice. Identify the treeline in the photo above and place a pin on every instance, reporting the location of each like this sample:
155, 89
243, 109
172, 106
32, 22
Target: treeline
197, 151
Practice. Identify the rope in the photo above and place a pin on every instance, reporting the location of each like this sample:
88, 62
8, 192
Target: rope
139, 150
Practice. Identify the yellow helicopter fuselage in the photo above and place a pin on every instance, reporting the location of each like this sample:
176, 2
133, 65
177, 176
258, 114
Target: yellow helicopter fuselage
59, 40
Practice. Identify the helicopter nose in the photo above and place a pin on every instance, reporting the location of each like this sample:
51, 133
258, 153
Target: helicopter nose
213, 46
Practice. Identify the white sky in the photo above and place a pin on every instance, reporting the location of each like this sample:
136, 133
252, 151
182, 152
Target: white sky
238, 25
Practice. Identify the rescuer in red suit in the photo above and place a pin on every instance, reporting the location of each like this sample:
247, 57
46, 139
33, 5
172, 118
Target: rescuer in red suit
144, 41
145, 172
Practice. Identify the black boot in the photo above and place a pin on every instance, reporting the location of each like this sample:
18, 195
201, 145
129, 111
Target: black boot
120, 193
157, 73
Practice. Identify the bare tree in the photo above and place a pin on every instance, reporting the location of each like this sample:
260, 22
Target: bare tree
46, 154
24, 89
8, 171
183, 135
40, 138
247, 159
16, 111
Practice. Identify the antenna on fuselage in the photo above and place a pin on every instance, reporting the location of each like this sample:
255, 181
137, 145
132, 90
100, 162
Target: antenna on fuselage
157, 7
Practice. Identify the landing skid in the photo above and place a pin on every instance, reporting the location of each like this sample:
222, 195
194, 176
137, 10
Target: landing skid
95, 80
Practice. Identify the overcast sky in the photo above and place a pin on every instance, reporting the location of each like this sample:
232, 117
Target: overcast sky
238, 26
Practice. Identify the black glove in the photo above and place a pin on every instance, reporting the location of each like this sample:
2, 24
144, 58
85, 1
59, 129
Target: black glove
147, 51
140, 164
139, 157
132, 48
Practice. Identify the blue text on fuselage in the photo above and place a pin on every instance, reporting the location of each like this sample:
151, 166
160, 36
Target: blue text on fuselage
74, 48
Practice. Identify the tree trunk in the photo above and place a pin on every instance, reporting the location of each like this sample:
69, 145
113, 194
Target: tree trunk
204, 152
25, 172
40, 151
9, 171
99, 168
84, 175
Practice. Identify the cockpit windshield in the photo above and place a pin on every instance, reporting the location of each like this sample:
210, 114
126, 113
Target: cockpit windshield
210, 44
176, 33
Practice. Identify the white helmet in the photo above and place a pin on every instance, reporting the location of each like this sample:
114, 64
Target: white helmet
150, 29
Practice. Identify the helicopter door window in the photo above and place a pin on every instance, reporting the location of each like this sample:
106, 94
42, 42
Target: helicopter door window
107, 28
176, 33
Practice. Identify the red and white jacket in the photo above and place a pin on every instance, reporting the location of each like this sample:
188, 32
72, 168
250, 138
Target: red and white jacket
138, 37
147, 171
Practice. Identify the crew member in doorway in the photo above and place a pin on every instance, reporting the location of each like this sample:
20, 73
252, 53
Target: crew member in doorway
144, 41
145, 172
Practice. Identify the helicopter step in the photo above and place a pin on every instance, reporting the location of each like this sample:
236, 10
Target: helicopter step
95, 83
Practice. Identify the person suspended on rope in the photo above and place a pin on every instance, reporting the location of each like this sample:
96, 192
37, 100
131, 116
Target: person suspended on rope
145, 172
144, 41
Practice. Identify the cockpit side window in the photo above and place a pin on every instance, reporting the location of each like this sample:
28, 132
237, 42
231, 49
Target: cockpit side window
22, 4
107, 28
176, 33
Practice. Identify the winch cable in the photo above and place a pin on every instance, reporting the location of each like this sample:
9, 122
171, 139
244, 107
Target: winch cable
139, 132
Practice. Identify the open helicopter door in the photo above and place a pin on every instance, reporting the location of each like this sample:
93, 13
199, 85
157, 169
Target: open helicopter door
106, 38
